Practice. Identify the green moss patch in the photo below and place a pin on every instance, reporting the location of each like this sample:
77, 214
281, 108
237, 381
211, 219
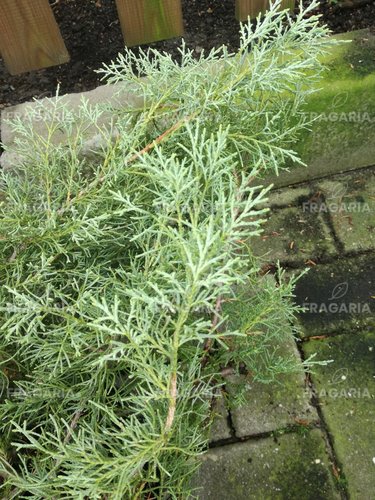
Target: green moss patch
342, 136
337, 296
350, 201
288, 466
346, 394
293, 235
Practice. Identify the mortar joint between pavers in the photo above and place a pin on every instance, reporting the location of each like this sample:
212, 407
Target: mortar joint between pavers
327, 220
287, 429
230, 423
314, 400
342, 332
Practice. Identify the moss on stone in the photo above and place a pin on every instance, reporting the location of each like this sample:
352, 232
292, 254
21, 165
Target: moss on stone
343, 137
293, 235
337, 296
346, 393
355, 59
289, 466
350, 201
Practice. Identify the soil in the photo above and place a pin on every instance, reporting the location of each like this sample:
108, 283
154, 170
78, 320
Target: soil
92, 34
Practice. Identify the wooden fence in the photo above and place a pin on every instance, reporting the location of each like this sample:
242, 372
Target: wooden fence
30, 38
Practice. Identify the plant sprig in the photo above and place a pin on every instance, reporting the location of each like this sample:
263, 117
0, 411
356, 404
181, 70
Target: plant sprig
120, 266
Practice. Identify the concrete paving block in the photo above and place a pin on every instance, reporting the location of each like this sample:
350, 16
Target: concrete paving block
287, 197
337, 296
350, 200
293, 236
220, 429
346, 392
290, 466
268, 407
65, 109
342, 136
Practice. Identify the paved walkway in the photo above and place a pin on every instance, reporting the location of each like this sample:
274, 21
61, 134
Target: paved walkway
312, 436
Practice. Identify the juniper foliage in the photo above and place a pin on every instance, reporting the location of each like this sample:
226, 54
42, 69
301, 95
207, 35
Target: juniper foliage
114, 267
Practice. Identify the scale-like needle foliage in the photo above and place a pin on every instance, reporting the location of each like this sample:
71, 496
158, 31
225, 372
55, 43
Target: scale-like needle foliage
115, 265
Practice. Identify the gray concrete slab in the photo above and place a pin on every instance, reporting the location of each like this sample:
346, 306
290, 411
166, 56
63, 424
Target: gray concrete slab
290, 466
346, 393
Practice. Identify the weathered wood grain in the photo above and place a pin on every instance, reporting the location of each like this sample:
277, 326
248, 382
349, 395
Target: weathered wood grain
29, 36
251, 8
145, 21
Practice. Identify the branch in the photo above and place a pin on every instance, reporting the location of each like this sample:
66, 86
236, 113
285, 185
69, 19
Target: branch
78, 414
214, 323
220, 299
161, 138
172, 404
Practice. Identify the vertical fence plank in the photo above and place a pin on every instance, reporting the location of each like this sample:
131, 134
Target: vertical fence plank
29, 36
145, 21
288, 4
246, 8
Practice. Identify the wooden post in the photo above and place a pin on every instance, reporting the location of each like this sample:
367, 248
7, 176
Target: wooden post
251, 8
145, 21
29, 36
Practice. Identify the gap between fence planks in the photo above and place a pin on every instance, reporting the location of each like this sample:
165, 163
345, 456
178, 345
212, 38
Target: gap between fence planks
145, 21
29, 36
251, 8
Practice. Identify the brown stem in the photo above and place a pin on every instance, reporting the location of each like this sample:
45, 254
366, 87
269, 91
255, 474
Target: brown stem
214, 323
159, 139
172, 404
73, 425
143, 151
220, 299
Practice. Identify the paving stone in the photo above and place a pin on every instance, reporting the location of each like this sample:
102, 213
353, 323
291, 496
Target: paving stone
290, 466
343, 134
293, 236
268, 407
220, 429
351, 202
108, 98
265, 407
346, 392
44, 109
288, 197
337, 296
342, 139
